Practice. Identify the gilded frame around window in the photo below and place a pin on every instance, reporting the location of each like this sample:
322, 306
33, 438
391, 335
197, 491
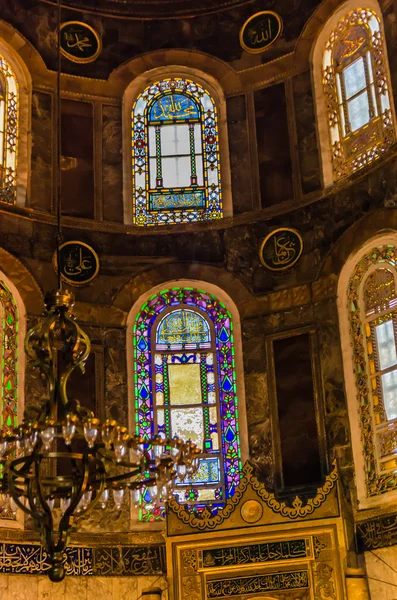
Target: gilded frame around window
376, 482
357, 149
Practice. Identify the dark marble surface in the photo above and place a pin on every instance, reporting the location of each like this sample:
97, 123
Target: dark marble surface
124, 39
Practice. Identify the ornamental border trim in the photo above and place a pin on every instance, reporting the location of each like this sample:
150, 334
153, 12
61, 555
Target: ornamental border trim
207, 520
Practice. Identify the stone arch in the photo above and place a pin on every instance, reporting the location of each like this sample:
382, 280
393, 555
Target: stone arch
23, 282
214, 87
159, 275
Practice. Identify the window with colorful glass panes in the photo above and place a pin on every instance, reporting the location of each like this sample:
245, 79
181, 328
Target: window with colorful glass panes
9, 358
8, 131
380, 303
175, 154
185, 385
356, 88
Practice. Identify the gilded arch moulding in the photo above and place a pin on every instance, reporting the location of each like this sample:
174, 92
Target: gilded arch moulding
373, 487
15, 50
330, 22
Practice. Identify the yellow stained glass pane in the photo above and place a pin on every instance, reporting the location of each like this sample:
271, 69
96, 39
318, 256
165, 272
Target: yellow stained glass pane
185, 384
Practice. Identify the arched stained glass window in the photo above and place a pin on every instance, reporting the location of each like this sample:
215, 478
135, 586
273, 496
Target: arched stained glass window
8, 131
372, 301
9, 358
356, 87
175, 154
185, 385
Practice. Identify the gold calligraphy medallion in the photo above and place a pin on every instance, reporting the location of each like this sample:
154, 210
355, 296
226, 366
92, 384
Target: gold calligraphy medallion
79, 263
281, 249
80, 43
260, 31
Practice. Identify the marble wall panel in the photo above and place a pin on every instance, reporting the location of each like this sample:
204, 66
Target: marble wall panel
240, 161
41, 177
305, 119
112, 176
381, 568
32, 587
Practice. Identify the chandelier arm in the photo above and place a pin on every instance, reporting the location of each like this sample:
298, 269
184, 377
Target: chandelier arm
42, 356
93, 503
33, 512
78, 356
144, 463
39, 486
78, 491
13, 475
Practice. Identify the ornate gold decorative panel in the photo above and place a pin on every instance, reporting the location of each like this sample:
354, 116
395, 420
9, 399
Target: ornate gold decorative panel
258, 547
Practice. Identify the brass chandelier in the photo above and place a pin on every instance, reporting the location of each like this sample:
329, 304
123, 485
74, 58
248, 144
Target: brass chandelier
61, 462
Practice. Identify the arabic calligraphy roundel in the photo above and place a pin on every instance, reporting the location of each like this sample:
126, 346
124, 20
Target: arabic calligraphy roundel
281, 249
79, 263
79, 42
260, 31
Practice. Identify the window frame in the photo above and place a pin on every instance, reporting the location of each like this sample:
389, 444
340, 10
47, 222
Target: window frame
141, 321
193, 210
10, 132
213, 350
374, 487
340, 161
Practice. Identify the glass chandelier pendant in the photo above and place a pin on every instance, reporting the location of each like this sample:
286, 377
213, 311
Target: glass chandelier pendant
99, 462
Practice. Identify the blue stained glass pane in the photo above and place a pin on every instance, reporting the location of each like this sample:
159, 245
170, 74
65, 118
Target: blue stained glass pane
223, 336
144, 392
230, 435
227, 384
174, 107
208, 472
183, 327
142, 344
160, 201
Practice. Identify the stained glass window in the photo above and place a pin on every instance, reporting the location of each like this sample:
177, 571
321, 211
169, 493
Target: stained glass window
8, 131
175, 154
372, 298
356, 88
185, 385
9, 358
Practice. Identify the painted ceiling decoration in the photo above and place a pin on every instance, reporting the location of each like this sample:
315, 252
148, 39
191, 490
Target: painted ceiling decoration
149, 9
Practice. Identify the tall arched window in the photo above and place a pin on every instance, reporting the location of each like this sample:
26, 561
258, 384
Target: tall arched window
8, 131
185, 385
175, 154
371, 368
356, 89
9, 358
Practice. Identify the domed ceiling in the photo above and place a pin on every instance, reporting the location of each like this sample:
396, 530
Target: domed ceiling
152, 9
